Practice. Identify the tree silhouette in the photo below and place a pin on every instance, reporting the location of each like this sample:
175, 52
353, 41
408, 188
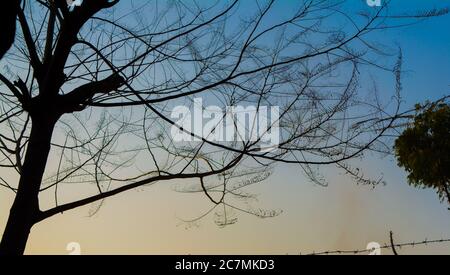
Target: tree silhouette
423, 149
88, 93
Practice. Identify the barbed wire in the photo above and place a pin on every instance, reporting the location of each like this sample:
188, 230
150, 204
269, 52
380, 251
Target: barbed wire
385, 246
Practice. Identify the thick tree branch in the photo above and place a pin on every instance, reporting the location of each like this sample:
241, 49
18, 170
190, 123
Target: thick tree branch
84, 93
34, 58
65, 207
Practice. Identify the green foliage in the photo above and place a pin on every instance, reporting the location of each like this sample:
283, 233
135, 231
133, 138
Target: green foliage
423, 149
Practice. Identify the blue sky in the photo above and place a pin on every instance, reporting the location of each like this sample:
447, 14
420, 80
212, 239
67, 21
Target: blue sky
340, 216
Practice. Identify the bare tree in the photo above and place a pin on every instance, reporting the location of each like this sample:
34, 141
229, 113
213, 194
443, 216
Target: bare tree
89, 89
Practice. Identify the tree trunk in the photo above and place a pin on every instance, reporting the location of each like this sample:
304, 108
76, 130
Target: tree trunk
8, 14
25, 209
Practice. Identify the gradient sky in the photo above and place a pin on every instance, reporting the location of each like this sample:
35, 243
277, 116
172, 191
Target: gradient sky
340, 216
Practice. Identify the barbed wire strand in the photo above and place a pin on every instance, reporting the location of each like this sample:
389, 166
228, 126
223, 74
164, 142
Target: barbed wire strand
386, 246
